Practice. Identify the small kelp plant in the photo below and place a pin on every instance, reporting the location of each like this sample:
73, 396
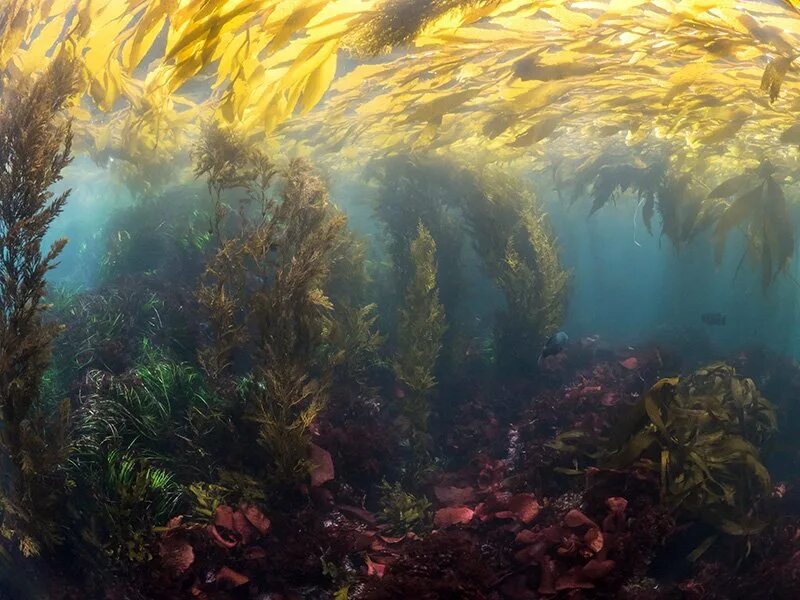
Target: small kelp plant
702, 435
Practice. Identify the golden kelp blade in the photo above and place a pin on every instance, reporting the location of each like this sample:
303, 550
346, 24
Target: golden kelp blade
681, 78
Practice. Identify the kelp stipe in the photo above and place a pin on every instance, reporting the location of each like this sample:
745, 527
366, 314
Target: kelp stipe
35, 146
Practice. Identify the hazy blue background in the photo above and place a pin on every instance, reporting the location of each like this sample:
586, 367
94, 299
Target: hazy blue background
626, 293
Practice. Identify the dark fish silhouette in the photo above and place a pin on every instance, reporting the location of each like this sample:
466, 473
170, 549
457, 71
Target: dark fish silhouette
713, 318
554, 345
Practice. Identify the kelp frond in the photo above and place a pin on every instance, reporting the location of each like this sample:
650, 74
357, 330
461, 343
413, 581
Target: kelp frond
420, 330
702, 434
762, 213
264, 294
35, 146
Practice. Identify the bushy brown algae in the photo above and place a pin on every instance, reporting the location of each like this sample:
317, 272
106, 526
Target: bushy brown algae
35, 146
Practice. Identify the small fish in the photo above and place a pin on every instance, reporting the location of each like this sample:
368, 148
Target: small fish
554, 345
713, 318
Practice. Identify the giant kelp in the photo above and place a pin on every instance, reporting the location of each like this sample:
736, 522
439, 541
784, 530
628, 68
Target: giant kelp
697, 83
264, 294
513, 238
498, 213
420, 330
35, 146
688, 77
762, 213
414, 189
658, 189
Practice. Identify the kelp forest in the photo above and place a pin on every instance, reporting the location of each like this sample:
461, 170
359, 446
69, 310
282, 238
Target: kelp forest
399, 299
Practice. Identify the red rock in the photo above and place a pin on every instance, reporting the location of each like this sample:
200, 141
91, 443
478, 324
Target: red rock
176, 553
374, 568
242, 526
175, 522
631, 363
526, 536
445, 517
576, 518
525, 507
322, 466
223, 516
617, 504
454, 495
228, 575
256, 518
493, 504
392, 540
597, 569
219, 539
357, 513
594, 539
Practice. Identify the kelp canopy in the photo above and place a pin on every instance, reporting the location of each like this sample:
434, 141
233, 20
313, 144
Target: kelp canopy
710, 84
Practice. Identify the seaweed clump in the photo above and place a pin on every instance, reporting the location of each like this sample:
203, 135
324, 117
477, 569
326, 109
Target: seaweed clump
35, 147
446, 564
421, 326
398, 22
701, 434
264, 295
402, 511
512, 236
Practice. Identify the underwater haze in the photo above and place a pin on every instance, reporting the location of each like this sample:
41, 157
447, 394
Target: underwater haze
399, 299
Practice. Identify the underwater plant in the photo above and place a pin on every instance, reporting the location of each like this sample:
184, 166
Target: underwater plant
228, 163
512, 237
139, 438
355, 343
420, 329
658, 190
508, 230
133, 497
535, 286
763, 214
263, 293
35, 146
289, 314
398, 22
414, 189
702, 434
403, 512
225, 160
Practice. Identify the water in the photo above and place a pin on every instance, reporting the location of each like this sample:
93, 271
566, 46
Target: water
359, 300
